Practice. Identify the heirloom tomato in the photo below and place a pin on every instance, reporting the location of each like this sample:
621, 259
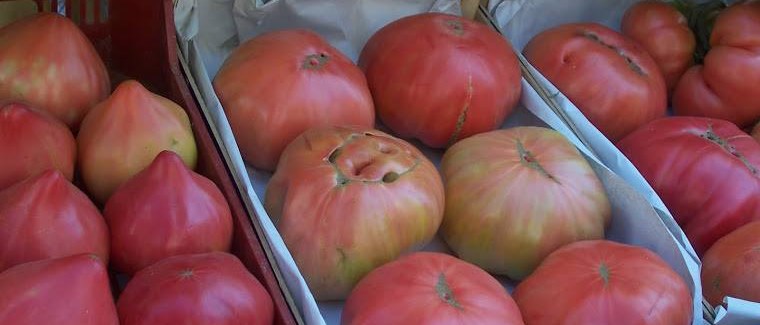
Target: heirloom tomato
731, 267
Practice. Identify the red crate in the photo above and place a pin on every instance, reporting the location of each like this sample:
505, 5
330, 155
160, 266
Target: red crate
136, 39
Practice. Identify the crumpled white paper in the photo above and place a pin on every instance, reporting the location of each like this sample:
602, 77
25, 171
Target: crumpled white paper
209, 29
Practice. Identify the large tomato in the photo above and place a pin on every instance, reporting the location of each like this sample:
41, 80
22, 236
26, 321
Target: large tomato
441, 78
46, 217
46, 61
515, 195
725, 85
122, 135
279, 84
165, 210
612, 80
212, 288
731, 267
603, 282
72, 290
430, 288
705, 170
32, 142
347, 200
664, 33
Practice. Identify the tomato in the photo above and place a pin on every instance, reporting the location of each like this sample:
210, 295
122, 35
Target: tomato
603, 282
212, 288
122, 135
731, 267
46, 217
440, 78
664, 33
32, 142
611, 80
72, 290
47, 62
515, 195
430, 288
349, 199
755, 132
725, 85
705, 170
279, 84
166, 210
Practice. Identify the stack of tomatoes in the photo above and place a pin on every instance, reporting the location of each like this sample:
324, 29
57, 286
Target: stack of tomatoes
91, 178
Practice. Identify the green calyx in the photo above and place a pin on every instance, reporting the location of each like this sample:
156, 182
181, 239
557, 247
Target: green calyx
604, 272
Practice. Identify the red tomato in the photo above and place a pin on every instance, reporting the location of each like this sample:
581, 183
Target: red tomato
212, 288
347, 200
440, 78
279, 84
122, 135
664, 33
32, 142
612, 80
71, 290
47, 217
725, 86
163, 211
731, 267
515, 195
430, 288
705, 170
46, 61
603, 282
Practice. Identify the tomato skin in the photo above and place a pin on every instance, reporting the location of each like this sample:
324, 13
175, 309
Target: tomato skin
47, 217
166, 210
504, 214
569, 287
664, 33
724, 86
349, 199
731, 267
123, 134
430, 288
31, 142
709, 191
615, 95
211, 288
72, 290
279, 84
47, 62
440, 78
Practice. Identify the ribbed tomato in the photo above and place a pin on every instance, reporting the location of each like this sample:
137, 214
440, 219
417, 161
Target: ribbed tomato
430, 288
725, 85
31, 142
603, 282
705, 170
664, 33
612, 80
347, 200
47, 62
279, 84
440, 78
515, 195
731, 267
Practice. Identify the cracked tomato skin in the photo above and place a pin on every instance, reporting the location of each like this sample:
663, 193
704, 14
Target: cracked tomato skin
604, 282
515, 195
610, 78
725, 85
197, 289
731, 267
430, 288
664, 33
47, 62
349, 199
711, 189
440, 78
